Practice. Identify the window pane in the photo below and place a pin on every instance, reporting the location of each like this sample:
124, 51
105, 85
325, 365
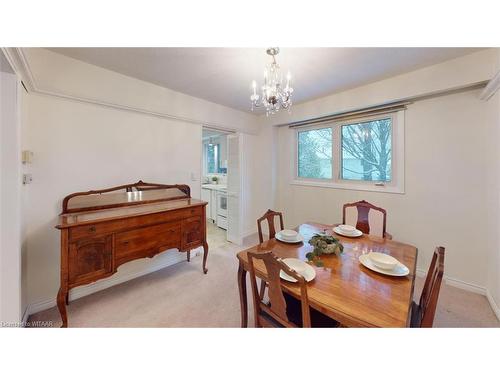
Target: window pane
212, 158
315, 153
367, 151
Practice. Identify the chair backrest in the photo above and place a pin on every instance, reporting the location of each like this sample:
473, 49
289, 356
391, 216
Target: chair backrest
277, 307
430, 293
269, 216
366, 217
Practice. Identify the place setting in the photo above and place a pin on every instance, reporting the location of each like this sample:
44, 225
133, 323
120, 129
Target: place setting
302, 268
347, 231
289, 236
384, 264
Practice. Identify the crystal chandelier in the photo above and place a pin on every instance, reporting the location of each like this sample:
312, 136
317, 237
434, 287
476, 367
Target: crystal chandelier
273, 96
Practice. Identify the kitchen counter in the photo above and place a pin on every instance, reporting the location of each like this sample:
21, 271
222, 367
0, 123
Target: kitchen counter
218, 187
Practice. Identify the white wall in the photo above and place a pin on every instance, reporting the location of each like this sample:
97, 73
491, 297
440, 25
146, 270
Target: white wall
259, 164
10, 198
448, 150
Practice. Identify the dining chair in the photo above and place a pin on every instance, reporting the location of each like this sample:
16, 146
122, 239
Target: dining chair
422, 315
366, 217
269, 216
282, 310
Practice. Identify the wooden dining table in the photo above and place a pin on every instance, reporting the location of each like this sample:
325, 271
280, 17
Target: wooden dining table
343, 288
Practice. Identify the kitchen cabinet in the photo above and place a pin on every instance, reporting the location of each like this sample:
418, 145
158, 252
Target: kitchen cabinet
206, 195
210, 195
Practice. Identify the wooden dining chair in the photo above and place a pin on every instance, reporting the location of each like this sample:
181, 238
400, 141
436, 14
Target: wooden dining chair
282, 310
422, 315
269, 216
366, 217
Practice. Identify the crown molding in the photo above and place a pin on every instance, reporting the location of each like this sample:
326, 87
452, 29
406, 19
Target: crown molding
18, 62
21, 67
491, 88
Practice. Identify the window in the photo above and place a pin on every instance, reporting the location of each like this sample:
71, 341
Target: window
212, 152
315, 153
367, 150
360, 154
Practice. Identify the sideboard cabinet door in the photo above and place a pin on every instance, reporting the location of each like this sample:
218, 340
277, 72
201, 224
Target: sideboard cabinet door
90, 259
192, 233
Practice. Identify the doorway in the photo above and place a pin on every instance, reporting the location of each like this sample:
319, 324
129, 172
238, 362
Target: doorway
220, 185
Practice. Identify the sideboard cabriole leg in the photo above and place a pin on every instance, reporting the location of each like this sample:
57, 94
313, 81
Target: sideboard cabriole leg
62, 295
61, 305
188, 255
205, 256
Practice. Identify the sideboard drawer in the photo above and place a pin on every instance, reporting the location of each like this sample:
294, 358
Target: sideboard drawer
146, 241
98, 229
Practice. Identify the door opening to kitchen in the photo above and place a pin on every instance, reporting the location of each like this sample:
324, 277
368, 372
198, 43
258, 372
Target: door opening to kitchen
220, 186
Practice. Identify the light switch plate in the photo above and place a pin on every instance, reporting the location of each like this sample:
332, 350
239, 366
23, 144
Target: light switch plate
27, 178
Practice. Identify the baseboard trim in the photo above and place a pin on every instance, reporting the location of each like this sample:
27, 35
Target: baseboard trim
457, 283
25, 317
106, 283
493, 304
469, 287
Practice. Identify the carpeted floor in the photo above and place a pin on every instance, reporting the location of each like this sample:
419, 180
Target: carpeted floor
182, 296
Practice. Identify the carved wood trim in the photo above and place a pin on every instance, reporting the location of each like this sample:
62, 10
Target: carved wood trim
140, 186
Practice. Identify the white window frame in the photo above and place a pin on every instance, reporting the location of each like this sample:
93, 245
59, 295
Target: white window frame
396, 185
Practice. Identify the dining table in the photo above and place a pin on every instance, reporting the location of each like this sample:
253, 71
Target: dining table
343, 288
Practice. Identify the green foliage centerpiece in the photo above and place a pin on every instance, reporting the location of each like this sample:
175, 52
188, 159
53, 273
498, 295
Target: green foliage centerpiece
323, 244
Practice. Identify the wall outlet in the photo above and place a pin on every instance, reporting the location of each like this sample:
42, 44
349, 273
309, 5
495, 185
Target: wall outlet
27, 178
194, 177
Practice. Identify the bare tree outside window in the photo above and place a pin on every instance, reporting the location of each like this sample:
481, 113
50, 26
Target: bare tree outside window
315, 153
367, 151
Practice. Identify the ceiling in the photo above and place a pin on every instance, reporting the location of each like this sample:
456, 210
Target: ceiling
224, 75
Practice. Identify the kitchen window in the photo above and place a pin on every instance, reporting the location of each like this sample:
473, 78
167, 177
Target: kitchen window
212, 156
365, 153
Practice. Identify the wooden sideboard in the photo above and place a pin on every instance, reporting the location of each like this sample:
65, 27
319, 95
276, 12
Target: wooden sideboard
103, 229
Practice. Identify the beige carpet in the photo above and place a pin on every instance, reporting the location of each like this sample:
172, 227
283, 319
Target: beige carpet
182, 296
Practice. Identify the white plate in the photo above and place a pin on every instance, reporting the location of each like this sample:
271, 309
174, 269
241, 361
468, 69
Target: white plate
301, 267
399, 270
288, 233
298, 239
356, 233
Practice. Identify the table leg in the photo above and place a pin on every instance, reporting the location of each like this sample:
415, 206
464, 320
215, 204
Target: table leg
242, 286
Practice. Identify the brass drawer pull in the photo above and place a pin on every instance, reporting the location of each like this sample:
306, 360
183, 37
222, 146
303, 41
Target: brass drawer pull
92, 229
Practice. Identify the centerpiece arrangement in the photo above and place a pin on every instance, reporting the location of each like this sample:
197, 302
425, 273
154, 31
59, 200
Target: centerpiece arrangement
323, 244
